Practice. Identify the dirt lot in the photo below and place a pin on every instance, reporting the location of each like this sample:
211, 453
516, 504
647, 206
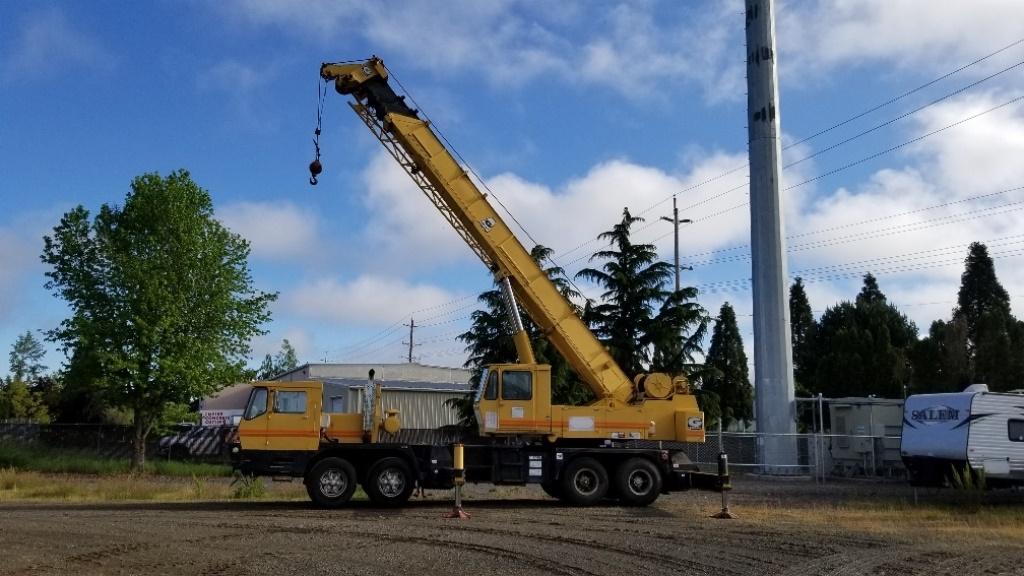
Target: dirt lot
783, 528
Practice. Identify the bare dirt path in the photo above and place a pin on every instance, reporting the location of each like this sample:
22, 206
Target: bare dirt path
529, 535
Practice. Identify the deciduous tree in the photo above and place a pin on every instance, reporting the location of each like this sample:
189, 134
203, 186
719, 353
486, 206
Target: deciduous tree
162, 301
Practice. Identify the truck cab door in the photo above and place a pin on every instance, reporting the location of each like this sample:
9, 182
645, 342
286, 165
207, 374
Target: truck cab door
487, 406
515, 402
252, 428
293, 421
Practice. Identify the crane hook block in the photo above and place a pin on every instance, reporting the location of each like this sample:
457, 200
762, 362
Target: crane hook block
315, 168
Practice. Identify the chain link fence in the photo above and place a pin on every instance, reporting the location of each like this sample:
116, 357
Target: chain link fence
815, 455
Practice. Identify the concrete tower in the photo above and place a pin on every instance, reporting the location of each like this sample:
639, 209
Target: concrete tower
773, 354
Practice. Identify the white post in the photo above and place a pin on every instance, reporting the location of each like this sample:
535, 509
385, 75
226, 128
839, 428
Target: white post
773, 355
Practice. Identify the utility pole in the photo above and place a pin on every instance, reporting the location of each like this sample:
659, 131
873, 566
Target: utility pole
412, 327
675, 223
773, 354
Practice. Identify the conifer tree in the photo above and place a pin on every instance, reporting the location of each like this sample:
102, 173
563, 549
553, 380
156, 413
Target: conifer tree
728, 377
802, 329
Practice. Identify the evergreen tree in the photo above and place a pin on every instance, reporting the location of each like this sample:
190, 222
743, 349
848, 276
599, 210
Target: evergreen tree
729, 382
489, 341
863, 348
802, 329
980, 292
939, 360
279, 363
26, 358
993, 346
634, 282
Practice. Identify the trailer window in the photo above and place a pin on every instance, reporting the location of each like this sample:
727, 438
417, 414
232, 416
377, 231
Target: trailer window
290, 402
491, 393
1015, 429
257, 403
516, 385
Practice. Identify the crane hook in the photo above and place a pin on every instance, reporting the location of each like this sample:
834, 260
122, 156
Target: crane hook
315, 168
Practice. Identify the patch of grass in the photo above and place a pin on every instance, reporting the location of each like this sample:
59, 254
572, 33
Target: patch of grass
43, 459
187, 469
18, 485
921, 521
248, 487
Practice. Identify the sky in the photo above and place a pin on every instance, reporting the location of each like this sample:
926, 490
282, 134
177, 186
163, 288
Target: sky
903, 125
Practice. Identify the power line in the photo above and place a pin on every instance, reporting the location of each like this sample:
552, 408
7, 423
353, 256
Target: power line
904, 144
907, 93
833, 127
902, 116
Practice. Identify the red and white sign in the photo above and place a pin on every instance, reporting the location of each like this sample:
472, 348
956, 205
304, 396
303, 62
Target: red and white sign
219, 417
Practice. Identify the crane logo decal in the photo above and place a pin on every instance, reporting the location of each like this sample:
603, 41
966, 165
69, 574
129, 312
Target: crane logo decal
695, 423
487, 224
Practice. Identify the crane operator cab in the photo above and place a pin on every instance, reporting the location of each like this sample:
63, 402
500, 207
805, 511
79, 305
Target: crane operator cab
514, 398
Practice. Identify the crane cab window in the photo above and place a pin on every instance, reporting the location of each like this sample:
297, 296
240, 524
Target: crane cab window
517, 385
491, 392
257, 405
290, 402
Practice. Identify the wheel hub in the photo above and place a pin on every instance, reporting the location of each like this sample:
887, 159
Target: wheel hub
333, 483
391, 483
640, 482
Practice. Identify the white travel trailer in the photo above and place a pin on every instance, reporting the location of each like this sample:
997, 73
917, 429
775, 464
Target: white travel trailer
942, 432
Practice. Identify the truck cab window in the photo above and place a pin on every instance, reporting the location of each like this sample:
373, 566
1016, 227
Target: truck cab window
491, 393
290, 402
257, 405
517, 385
1015, 430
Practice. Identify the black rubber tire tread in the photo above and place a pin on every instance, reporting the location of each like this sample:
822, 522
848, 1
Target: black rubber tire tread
623, 489
568, 487
552, 488
372, 489
312, 482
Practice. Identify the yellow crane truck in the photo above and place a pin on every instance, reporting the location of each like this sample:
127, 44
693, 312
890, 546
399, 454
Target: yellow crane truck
627, 445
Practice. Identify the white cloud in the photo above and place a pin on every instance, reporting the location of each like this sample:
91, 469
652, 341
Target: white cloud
630, 47
822, 35
18, 258
408, 233
364, 301
278, 231
300, 338
918, 255
230, 75
47, 38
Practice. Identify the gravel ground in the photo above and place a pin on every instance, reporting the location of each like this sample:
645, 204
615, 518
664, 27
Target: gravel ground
784, 528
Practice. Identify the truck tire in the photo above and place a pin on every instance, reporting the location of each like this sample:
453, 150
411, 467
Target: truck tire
552, 488
637, 482
390, 482
331, 482
584, 482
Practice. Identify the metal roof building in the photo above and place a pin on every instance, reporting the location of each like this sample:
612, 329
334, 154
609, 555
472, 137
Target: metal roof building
418, 392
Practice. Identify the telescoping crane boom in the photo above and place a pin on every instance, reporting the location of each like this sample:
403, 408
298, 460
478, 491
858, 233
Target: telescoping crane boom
515, 399
626, 445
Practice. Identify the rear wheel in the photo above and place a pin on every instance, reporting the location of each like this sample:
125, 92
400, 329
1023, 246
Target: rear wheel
331, 482
552, 488
389, 482
584, 482
637, 482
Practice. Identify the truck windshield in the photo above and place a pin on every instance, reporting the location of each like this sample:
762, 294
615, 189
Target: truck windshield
257, 403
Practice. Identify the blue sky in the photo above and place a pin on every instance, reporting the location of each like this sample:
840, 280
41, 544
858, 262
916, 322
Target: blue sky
568, 110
